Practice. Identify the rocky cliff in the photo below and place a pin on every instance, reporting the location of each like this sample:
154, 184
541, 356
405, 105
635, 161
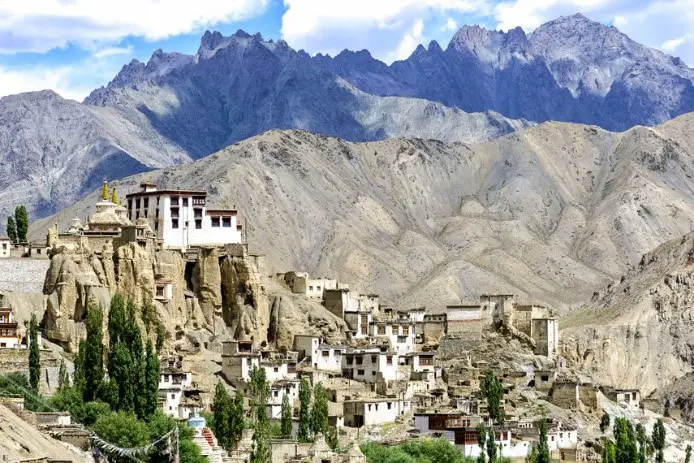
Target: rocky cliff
637, 331
223, 295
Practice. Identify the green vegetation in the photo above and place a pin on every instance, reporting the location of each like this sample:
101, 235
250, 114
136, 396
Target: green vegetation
221, 408
688, 454
415, 451
34, 354
304, 413
625, 441
259, 392
91, 356
494, 393
481, 439
319, 412
605, 422
658, 438
286, 421
63, 377
21, 219
11, 229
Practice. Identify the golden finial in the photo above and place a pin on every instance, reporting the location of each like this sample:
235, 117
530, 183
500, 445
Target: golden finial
104, 190
114, 196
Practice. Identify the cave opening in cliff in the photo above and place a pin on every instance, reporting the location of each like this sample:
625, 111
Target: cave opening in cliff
190, 268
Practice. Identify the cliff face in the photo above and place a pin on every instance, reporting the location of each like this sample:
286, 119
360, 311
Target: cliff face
223, 294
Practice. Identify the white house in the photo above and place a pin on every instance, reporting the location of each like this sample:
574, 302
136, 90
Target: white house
369, 365
306, 346
181, 218
8, 329
562, 438
323, 357
400, 334
373, 411
177, 396
278, 390
357, 311
5, 247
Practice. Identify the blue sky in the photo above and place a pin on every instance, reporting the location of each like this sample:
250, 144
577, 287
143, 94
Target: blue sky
74, 46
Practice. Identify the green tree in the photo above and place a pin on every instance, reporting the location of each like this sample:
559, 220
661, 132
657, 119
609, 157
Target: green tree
494, 393
63, 377
21, 219
93, 359
259, 391
11, 229
609, 452
481, 441
122, 429
331, 438
605, 422
78, 378
304, 411
221, 406
688, 454
161, 333
237, 419
658, 440
532, 455
543, 455
116, 320
139, 372
642, 440
151, 380
319, 413
122, 376
34, 354
491, 445
286, 421
625, 441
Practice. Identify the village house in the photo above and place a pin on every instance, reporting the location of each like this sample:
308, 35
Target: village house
356, 311
370, 365
400, 334
238, 359
312, 288
544, 379
5, 247
278, 390
181, 218
625, 396
177, 395
322, 357
8, 329
373, 411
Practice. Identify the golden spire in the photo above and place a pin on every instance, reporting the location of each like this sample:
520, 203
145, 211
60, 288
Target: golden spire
104, 190
114, 196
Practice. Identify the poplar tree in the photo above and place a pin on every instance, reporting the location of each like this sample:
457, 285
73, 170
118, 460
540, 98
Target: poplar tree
138, 374
259, 392
332, 439
481, 442
221, 406
151, 380
319, 413
78, 378
34, 354
688, 454
160, 337
121, 375
491, 445
116, 320
494, 393
642, 440
93, 359
659, 440
11, 229
21, 219
304, 411
237, 419
543, 455
609, 452
286, 418
63, 377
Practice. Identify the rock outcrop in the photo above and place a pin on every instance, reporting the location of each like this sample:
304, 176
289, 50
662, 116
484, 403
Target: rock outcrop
223, 293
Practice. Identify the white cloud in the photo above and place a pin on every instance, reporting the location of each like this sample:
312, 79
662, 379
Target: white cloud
113, 51
451, 25
670, 45
409, 42
529, 14
13, 81
41, 25
381, 25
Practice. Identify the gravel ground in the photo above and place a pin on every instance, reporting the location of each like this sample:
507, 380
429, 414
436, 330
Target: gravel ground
23, 274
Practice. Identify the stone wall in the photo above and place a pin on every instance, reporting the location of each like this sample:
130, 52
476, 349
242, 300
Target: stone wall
565, 395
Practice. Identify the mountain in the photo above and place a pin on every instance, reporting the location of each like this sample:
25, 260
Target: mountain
53, 150
551, 213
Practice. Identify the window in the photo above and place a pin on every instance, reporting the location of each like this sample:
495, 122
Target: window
389, 360
374, 359
406, 330
390, 405
198, 224
130, 204
360, 372
137, 203
173, 396
174, 223
4, 245
381, 330
198, 201
156, 213
160, 291
146, 203
174, 200
325, 353
545, 377
369, 407
226, 222
197, 213
38, 251
185, 202
360, 360
310, 288
174, 212
350, 360
215, 222
137, 214
277, 393
145, 214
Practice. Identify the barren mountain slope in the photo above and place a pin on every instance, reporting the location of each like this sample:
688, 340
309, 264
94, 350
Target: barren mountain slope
551, 213
53, 151
642, 323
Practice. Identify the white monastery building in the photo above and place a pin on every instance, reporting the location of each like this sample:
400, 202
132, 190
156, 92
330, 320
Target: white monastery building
181, 218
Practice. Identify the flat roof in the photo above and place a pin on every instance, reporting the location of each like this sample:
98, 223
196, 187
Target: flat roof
221, 211
166, 192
